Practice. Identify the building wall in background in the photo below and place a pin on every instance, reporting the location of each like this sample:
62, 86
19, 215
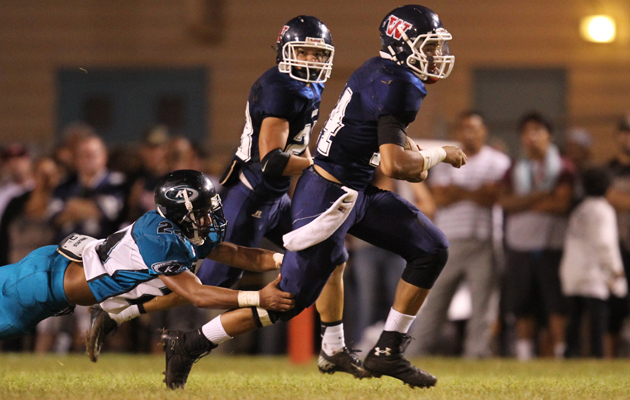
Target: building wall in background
39, 37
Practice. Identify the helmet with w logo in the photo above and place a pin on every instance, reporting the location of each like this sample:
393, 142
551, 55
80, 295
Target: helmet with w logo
188, 199
413, 36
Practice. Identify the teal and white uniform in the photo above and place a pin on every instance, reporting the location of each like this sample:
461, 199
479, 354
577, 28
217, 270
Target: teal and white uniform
122, 270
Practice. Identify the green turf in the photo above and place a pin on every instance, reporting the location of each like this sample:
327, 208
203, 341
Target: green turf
218, 377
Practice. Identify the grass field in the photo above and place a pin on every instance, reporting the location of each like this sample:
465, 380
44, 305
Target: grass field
219, 377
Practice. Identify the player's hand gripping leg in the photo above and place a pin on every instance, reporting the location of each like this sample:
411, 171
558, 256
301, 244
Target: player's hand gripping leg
274, 299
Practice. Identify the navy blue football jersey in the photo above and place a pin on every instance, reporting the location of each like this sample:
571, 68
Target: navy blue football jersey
275, 94
347, 146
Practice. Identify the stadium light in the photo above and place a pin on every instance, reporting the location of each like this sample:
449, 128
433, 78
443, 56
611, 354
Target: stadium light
598, 29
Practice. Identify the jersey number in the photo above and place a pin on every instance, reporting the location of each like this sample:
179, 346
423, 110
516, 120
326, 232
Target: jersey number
334, 123
302, 140
165, 227
109, 243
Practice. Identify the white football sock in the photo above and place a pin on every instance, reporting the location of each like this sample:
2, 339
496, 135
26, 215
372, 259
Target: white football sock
398, 322
215, 332
333, 340
127, 314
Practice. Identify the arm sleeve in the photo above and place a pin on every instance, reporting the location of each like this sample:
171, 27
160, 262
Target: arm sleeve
391, 130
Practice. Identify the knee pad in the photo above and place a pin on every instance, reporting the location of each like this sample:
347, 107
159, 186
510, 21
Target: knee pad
263, 317
424, 271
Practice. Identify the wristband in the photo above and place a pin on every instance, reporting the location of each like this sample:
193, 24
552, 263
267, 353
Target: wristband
248, 299
278, 257
432, 157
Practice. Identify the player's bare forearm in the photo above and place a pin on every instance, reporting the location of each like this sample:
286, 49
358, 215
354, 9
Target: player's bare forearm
297, 164
398, 163
161, 303
409, 164
246, 258
188, 286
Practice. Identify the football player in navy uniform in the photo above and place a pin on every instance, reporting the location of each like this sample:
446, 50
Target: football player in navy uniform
282, 108
334, 197
151, 257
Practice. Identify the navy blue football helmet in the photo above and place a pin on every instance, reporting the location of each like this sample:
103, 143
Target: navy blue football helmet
188, 198
413, 36
305, 32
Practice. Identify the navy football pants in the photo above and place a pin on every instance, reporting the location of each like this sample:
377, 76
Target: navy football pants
379, 217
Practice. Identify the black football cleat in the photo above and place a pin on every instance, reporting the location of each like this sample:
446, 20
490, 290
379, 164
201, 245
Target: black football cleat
101, 326
386, 358
183, 349
343, 361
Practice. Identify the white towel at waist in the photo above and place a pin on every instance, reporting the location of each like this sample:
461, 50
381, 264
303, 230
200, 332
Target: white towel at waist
324, 225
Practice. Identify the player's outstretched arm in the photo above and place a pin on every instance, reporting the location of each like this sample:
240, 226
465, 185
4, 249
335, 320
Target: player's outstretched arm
161, 303
188, 286
247, 258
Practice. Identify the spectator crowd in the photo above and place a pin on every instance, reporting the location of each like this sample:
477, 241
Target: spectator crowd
539, 244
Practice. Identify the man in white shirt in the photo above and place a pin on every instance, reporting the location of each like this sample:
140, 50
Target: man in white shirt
536, 198
465, 199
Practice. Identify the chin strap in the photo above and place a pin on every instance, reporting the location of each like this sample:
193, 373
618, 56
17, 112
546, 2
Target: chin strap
196, 240
393, 57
